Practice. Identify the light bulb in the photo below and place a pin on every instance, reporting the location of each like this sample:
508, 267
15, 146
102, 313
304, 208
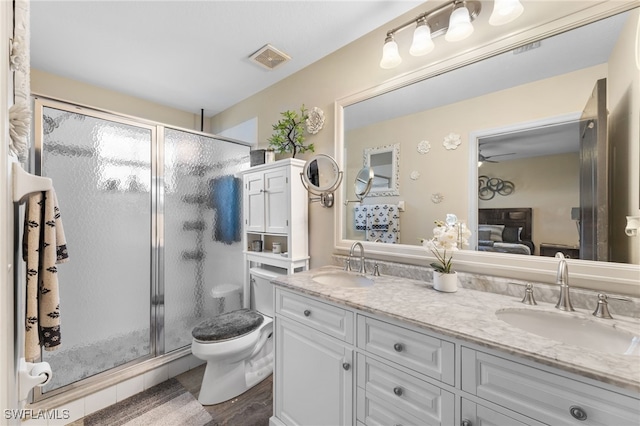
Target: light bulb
422, 42
390, 56
459, 25
505, 11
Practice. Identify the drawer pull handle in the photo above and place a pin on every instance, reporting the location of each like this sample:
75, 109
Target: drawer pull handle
466, 422
398, 347
307, 312
346, 366
398, 390
578, 413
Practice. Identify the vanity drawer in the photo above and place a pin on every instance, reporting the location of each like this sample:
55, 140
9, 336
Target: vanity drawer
374, 411
321, 316
419, 352
542, 395
408, 394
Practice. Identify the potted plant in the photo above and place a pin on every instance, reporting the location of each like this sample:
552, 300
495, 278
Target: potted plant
448, 236
288, 133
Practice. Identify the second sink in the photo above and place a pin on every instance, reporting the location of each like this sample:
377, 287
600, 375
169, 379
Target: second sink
343, 279
573, 330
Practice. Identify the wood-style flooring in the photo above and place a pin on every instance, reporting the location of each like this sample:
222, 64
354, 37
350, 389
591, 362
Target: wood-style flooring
252, 408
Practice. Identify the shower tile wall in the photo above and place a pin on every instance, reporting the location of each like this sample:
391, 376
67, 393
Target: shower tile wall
102, 172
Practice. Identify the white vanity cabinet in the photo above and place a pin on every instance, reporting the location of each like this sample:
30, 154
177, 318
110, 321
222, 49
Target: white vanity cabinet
338, 365
313, 376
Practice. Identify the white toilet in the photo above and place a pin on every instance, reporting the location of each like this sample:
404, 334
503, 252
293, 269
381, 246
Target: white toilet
238, 345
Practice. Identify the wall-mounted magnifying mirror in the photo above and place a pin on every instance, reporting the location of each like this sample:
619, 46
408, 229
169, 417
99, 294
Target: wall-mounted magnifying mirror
321, 176
362, 185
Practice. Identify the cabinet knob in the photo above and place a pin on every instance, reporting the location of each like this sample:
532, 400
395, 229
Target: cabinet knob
307, 312
398, 390
346, 366
578, 413
398, 347
466, 422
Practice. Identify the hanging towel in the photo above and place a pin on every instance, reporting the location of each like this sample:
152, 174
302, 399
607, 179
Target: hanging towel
226, 200
383, 222
378, 217
360, 217
44, 246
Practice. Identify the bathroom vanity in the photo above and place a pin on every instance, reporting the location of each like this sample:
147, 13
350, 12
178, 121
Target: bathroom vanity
399, 352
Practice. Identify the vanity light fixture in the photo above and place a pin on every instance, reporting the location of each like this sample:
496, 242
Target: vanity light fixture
453, 19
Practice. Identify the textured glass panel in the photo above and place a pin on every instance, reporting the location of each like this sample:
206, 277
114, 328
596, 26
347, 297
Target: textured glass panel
202, 224
102, 175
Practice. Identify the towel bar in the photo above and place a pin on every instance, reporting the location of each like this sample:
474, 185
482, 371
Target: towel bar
25, 183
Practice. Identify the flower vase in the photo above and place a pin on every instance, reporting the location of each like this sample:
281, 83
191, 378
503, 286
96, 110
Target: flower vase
447, 283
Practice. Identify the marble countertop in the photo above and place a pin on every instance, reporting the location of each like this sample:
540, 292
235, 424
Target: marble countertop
470, 315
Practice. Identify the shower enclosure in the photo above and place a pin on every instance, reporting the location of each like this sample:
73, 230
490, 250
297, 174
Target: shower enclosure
152, 221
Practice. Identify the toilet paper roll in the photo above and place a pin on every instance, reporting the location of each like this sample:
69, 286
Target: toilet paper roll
42, 369
633, 224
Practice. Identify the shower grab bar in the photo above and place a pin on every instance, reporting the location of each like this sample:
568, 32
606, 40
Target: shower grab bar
25, 183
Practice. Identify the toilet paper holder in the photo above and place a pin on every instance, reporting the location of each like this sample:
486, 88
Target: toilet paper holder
31, 375
633, 226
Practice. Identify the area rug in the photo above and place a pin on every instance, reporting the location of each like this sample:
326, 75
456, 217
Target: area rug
166, 404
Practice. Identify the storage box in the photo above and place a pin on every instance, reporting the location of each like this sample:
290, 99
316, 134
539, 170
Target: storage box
257, 156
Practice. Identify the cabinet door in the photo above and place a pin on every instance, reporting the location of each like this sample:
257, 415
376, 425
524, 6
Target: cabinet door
313, 377
254, 202
276, 201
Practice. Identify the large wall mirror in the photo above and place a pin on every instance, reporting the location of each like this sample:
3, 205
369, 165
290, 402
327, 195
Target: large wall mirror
527, 116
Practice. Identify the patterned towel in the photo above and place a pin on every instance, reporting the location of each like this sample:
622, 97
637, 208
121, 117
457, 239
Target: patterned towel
44, 246
379, 221
383, 223
360, 217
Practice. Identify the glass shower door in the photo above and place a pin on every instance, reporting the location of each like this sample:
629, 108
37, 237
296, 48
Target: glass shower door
202, 231
102, 172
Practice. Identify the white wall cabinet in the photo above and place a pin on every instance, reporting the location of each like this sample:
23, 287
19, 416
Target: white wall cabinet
275, 210
336, 365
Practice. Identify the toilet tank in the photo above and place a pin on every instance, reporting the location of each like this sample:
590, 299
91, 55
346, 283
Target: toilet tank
262, 289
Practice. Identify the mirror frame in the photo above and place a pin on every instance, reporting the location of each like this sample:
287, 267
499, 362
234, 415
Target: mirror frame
394, 181
619, 278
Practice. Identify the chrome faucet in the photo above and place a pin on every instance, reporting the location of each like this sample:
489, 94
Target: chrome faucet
562, 278
353, 246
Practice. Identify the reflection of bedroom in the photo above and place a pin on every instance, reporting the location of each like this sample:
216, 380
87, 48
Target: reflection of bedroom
549, 185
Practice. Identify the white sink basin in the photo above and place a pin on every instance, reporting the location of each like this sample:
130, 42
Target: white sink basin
577, 331
342, 279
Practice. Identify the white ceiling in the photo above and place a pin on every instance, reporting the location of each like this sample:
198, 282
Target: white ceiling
193, 55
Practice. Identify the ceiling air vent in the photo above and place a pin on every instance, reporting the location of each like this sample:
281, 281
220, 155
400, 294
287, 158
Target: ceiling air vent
269, 57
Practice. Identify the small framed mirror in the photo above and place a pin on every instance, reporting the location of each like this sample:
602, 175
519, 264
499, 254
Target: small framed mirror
321, 176
384, 161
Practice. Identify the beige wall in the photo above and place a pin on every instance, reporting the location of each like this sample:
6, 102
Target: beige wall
60, 88
624, 137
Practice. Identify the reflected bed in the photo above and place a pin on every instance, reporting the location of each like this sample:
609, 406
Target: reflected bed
505, 230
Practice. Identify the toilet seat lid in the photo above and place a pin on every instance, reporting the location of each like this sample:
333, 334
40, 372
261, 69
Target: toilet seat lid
228, 326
